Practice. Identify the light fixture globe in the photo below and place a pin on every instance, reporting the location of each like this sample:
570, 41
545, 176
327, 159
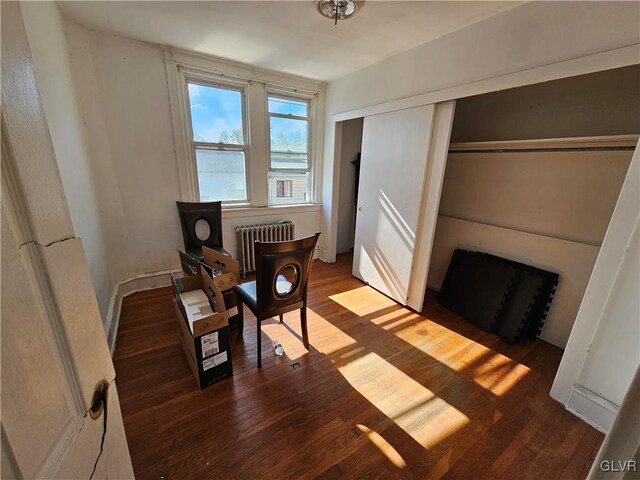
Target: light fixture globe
337, 9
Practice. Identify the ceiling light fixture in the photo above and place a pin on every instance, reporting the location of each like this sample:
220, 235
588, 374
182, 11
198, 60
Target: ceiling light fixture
338, 9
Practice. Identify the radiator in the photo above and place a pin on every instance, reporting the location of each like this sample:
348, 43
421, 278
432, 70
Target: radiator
247, 235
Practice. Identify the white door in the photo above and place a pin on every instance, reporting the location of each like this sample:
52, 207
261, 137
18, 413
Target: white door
54, 351
395, 148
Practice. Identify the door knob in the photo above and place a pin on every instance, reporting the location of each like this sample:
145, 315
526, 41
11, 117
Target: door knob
99, 400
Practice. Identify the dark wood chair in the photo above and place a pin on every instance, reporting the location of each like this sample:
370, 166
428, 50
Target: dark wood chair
282, 274
190, 214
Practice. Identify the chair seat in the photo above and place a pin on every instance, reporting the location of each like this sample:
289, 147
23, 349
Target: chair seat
248, 294
248, 291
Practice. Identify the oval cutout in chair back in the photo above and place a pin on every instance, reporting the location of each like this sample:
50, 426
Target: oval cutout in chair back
287, 280
202, 229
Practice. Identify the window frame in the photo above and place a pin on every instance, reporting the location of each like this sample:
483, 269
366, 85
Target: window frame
311, 100
206, 81
182, 66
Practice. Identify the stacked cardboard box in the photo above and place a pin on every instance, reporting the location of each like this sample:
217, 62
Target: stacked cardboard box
203, 326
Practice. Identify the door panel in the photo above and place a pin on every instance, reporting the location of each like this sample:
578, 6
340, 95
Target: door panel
395, 149
34, 384
53, 346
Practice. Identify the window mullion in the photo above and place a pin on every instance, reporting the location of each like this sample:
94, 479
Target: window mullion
219, 146
288, 115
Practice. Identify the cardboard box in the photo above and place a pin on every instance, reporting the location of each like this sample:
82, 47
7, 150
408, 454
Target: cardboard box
206, 343
223, 283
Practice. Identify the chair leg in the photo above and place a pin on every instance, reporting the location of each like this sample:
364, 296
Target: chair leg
240, 316
303, 322
259, 339
281, 318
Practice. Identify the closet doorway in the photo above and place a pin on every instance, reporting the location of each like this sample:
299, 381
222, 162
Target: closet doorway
350, 150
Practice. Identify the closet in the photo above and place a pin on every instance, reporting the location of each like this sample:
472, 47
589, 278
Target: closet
533, 175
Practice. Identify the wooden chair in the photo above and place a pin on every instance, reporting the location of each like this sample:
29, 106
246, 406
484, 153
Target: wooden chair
190, 214
282, 274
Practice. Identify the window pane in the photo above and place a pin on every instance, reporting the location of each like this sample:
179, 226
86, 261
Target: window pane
288, 135
221, 175
287, 106
289, 160
289, 188
216, 114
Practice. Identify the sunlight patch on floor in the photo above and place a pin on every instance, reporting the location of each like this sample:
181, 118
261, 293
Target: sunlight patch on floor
292, 345
332, 338
385, 447
499, 374
399, 320
388, 389
363, 301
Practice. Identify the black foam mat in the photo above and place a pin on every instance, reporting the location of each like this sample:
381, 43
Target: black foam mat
478, 288
498, 294
542, 304
520, 311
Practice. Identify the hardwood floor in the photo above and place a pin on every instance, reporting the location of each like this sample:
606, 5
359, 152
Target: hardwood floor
384, 392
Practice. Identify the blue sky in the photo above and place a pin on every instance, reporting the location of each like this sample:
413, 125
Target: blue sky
216, 110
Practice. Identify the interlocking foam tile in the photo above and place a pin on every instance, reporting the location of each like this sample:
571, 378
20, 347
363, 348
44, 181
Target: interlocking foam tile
519, 313
478, 288
541, 304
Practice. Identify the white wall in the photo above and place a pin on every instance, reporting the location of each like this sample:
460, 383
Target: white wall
603, 351
106, 186
83, 160
615, 348
533, 34
520, 46
132, 88
306, 223
350, 147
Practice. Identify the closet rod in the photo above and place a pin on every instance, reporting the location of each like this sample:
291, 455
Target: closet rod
556, 149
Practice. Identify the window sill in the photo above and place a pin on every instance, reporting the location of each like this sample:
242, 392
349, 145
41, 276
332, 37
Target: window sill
239, 212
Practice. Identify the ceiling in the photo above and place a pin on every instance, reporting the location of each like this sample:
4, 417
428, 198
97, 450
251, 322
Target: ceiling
286, 36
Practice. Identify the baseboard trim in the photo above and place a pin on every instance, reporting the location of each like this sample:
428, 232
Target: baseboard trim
321, 254
138, 283
592, 408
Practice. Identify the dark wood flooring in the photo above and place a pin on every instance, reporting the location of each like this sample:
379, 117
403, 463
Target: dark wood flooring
384, 392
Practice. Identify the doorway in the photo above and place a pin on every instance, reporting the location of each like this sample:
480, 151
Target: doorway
349, 175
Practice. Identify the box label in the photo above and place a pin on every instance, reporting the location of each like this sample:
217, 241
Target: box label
210, 344
214, 361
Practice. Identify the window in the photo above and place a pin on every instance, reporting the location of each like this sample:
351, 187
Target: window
218, 140
284, 188
289, 172
237, 134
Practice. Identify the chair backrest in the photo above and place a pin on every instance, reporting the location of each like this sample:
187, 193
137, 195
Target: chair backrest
275, 260
191, 213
